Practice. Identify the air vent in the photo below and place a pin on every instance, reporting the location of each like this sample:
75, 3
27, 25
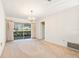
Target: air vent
73, 45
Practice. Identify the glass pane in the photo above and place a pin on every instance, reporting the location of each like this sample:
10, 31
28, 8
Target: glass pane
18, 31
22, 31
27, 31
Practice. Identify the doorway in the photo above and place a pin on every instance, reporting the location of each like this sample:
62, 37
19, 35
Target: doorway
43, 29
22, 31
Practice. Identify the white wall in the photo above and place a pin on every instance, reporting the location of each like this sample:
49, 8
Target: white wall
33, 30
2, 28
63, 26
39, 28
18, 20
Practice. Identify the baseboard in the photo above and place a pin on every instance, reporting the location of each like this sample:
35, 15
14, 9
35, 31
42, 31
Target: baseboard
62, 46
38, 39
9, 40
33, 37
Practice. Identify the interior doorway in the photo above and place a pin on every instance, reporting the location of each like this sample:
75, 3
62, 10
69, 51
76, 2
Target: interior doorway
22, 31
43, 29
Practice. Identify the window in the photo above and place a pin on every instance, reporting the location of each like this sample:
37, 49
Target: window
22, 31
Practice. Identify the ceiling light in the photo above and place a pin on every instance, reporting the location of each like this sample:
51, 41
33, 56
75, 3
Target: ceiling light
31, 16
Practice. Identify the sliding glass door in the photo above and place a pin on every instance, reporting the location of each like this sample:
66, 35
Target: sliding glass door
22, 31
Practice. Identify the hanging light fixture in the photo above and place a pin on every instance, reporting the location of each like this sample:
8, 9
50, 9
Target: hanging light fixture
31, 16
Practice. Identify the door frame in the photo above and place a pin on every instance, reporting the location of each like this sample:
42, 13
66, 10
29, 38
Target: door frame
43, 29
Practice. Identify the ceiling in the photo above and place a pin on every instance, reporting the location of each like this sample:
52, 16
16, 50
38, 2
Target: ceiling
41, 8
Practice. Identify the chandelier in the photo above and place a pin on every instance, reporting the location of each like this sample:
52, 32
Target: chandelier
31, 16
